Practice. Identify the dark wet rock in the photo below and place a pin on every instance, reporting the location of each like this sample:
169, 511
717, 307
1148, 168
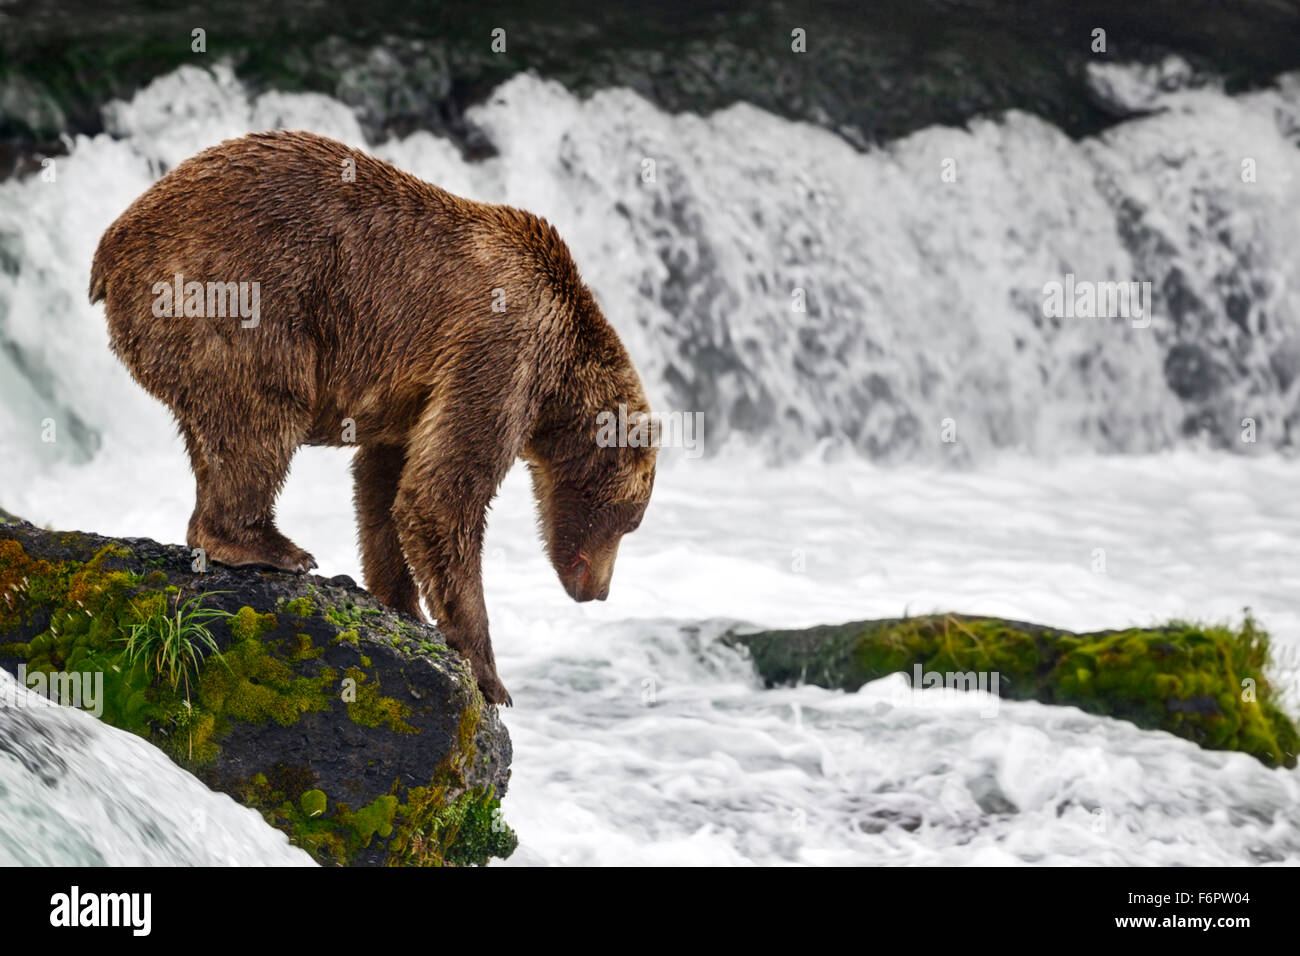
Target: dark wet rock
354, 729
1206, 684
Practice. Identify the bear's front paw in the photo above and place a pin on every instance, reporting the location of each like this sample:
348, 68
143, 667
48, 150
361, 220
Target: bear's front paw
290, 557
493, 690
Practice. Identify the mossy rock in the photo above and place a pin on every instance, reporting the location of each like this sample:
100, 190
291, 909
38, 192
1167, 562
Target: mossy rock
1207, 684
353, 729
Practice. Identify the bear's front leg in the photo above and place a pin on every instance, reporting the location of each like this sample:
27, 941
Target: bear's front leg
444, 544
439, 513
455, 458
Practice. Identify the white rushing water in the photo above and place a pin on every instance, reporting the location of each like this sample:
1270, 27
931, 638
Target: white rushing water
637, 738
76, 792
924, 299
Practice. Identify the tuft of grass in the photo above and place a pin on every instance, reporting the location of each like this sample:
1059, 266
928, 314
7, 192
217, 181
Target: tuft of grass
170, 646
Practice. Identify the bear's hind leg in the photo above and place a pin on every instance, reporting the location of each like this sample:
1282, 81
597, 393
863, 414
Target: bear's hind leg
376, 470
200, 467
238, 479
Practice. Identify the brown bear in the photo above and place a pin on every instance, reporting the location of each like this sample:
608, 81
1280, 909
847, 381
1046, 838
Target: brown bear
284, 289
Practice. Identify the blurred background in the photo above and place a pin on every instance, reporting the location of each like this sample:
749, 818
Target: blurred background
923, 297
835, 254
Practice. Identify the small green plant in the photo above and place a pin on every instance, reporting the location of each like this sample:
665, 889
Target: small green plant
171, 645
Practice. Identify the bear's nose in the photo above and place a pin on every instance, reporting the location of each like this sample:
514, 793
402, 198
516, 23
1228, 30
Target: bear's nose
604, 593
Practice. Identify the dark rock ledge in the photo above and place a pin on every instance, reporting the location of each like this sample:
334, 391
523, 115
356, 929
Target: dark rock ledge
353, 729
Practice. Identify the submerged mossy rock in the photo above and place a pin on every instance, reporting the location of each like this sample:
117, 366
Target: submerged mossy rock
353, 729
1203, 683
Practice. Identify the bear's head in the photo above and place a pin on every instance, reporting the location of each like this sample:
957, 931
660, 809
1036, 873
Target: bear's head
593, 469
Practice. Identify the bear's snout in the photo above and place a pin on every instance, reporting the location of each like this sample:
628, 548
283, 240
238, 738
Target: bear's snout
583, 583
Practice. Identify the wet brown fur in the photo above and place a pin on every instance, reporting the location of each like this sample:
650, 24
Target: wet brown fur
376, 306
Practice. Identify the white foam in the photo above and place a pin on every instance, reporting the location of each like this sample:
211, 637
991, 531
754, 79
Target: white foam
924, 297
76, 792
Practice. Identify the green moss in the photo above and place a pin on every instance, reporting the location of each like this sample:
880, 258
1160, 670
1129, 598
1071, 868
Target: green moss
87, 609
1183, 678
313, 803
301, 606
295, 812
370, 708
374, 818
257, 686
433, 830
248, 625
346, 616
480, 830
73, 589
304, 649
425, 826
468, 831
